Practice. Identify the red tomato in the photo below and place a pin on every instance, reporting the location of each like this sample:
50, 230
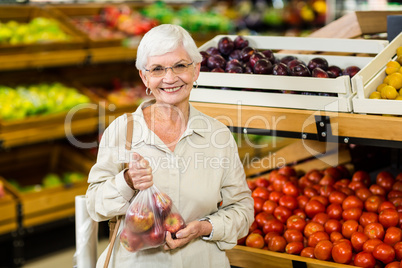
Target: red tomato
269, 206
343, 183
289, 188
261, 182
346, 190
367, 218
294, 248
384, 253
396, 201
374, 230
349, 227
377, 190
355, 185
253, 226
293, 235
334, 211
384, 205
314, 176
299, 212
262, 218
258, 203
352, 214
272, 175
395, 193
261, 192
255, 240
302, 201
322, 199
363, 193
335, 236
336, 197
269, 236
352, 201
304, 182
388, 217
333, 225
251, 184
373, 203
288, 201
279, 182
323, 250
321, 218
277, 244
392, 236
317, 237
327, 180
362, 176
342, 253
397, 186
307, 252
385, 179
257, 231
296, 222
282, 213
370, 244
398, 177
312, 227
335, 172
358, 239
364, 259
287, 171
314, 207
275, 196
273, 225
310, 192
394, 264
326, 190
398, 250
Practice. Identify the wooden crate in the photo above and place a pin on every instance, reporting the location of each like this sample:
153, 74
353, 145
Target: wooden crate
8, 212
40, 121
267, 89
29, 164
247, 257
370, 77
25, 14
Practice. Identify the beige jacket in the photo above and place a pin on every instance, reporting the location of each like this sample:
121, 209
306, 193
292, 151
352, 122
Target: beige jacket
203, 171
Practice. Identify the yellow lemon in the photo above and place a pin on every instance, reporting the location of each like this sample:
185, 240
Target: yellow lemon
399, 51
389, 92
392, 67
386, 80
395, 80
375, 95
380, 87
399, 59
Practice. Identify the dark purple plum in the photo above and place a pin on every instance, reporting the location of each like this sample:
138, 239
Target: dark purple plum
331, 74
317, 62
204, 69
269, 54
215, 61
236, 54
247, 70
295, 62
233, 63
318, 72
246, 53
300, 70
263, 66
213, 51
286, 59
234, 69
217, 70
255, 57
205, 57
351, 71
336, 70
280, 69
240, 42
225, 45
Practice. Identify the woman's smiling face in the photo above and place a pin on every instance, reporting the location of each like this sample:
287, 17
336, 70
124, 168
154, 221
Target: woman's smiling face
171, 88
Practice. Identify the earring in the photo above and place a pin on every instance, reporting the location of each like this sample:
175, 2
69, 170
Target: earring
148, 91
196, 84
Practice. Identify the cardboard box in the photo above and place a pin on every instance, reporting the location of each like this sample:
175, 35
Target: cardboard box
341, 86
369, 78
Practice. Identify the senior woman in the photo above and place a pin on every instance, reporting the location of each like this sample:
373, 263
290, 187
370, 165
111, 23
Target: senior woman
185, 153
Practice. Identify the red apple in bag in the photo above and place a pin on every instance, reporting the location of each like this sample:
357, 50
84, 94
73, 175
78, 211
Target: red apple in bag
139, 218
154, 237
163, 203
131, 241
173, 223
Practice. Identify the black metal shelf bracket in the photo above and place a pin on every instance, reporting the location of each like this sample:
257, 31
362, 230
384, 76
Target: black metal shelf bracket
324, 130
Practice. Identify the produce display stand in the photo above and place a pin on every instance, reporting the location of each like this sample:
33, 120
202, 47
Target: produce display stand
29, 165
246, 257
24, 14
266, 90
8, 213
370, 77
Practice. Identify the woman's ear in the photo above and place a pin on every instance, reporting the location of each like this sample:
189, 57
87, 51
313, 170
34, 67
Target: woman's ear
197, 69
143, 77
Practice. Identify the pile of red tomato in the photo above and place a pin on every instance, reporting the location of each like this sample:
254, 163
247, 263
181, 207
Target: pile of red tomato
330, 215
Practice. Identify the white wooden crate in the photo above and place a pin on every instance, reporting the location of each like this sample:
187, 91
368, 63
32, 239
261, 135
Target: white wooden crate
369, 78
340, 85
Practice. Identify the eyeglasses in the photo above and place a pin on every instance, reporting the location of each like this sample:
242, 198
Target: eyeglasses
159, 71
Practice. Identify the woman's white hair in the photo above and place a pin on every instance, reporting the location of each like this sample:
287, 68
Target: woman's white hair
163, 39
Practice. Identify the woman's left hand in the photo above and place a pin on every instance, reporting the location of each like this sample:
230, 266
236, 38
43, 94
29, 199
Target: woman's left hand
193, 230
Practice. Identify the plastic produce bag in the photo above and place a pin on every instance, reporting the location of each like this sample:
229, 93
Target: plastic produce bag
150, 214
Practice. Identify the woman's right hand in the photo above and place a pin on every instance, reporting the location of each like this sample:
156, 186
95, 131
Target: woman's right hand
139, 174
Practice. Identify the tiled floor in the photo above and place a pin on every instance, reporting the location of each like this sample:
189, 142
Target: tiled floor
62, 259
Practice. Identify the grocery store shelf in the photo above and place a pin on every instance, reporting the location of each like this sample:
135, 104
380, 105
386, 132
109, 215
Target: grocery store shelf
308, 124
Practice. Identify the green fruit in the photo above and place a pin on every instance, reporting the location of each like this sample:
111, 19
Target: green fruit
51, 180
